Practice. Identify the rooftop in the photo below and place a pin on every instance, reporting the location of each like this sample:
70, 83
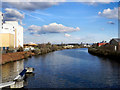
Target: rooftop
116, 39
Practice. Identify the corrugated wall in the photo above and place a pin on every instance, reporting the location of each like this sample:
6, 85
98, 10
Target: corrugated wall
7, 40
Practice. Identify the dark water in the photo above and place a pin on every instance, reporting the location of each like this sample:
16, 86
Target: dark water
73, 68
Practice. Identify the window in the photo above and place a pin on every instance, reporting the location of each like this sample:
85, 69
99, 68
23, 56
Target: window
3, 48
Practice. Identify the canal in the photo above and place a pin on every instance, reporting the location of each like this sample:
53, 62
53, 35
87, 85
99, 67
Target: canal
70, 68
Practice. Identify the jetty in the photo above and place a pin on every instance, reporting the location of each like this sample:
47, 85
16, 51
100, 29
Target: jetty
2, 85
18, 80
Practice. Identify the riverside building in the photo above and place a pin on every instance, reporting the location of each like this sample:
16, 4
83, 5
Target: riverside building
11, 34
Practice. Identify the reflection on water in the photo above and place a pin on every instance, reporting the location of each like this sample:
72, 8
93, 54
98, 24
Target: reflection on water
72, 68
19, 84
11, 70
0, 73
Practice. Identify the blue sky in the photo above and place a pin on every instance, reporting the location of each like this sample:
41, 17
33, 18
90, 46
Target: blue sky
81, 22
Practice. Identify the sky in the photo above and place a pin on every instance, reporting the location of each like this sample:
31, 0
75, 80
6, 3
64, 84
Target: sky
64, 22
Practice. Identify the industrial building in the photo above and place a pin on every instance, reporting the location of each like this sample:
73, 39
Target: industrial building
11, 34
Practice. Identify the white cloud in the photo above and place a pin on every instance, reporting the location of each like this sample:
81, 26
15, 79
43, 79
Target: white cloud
110, 22
61, 0
94, 2
67, 35
30, 6
12, 15
38, 18
31, 43
0, 13
51, 28
36, 35
109, 13
33, 0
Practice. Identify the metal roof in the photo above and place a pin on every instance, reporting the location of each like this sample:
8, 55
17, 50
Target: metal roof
116, 39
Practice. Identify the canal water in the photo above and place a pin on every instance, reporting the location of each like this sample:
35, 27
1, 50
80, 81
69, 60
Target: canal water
71, 68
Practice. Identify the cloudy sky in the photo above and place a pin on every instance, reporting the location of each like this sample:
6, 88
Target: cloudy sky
64, 22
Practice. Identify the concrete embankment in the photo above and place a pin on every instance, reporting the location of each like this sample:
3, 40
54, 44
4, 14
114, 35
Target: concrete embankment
9, 57
105, 53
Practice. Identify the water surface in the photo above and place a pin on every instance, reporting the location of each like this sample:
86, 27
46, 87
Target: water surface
73, 68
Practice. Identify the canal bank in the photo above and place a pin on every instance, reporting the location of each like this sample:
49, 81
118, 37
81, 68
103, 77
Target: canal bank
105, 53
11, 57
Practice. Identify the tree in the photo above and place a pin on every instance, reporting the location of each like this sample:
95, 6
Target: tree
20, 49
48, 43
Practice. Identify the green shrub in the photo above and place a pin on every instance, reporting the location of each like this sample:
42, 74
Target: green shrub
43, 50
20, 49
10, 50
25, 55
37, 51
54, 47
